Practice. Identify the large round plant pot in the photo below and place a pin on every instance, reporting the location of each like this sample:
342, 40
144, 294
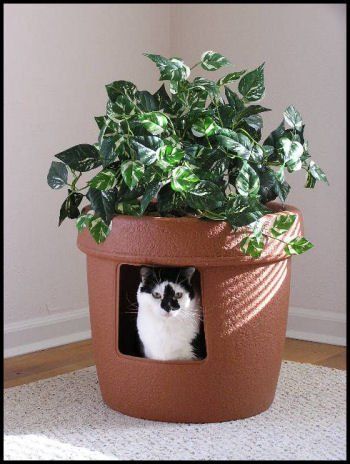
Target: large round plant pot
245, 304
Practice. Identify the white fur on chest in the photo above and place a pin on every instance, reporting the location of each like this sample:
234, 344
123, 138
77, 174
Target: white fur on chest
167, 338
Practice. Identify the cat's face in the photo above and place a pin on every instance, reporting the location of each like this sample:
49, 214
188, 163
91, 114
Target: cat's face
166, 292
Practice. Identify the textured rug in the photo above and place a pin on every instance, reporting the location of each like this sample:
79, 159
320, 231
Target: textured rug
64, 418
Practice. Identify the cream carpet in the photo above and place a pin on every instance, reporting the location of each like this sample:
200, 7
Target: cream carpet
64, 418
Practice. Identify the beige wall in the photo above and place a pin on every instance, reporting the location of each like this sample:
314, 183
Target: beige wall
304, 50
57, 60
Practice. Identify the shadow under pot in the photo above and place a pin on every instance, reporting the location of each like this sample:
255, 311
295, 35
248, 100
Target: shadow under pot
245, 307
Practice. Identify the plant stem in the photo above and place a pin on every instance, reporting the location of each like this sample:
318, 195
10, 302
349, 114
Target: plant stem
195, 65
208, 142
75, 181
275, 238
172, 125
247, 133
129, 130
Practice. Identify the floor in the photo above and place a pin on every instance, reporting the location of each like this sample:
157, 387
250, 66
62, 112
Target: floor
54, 361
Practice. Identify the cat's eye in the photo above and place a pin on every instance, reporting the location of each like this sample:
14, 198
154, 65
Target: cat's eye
156, 295
178, 295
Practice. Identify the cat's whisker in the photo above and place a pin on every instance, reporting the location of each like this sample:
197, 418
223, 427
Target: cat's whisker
132, 304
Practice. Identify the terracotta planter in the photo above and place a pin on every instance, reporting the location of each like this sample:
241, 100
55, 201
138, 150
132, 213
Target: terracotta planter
245, 303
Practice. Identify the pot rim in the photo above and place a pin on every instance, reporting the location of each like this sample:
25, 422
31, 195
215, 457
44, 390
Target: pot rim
277, 208
199, 242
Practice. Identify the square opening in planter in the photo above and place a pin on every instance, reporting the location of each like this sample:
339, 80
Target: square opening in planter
179, 305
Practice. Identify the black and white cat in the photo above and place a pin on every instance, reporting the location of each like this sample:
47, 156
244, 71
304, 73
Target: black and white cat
169, 315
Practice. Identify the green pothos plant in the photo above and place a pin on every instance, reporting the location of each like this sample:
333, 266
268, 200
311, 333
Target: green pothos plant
193, 150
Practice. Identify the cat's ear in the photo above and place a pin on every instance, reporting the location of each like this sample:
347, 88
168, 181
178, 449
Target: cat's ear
188, 272
145, 272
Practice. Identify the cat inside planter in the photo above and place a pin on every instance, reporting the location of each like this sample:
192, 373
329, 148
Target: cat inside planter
160, 313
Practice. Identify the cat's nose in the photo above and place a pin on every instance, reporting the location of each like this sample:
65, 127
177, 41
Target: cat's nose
166, 307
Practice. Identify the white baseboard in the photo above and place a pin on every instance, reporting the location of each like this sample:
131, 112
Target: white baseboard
59, 329
46, 332
317, 326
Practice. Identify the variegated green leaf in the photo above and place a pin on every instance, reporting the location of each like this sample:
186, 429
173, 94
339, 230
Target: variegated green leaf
317, 172
103, 202
128, 207
151, 192
169, 155
117, 88
281, 186
293, 118
267, 150
197, 100
244, 210
108, 151
83, 221
280, 174
132, 172
254, 121
108, 129
183, 179
146, 101
235, 142
58, 175
282, 224
310, 181
104, 180
205, 195
204, 127
247, 181
297, 246
205, 85
211, 61
172, 69
294, 165
252, 86
233, 100
230, 77
174, 87
70, 206
147, 148
252, 245
213, 215
99, 229
121, 108
291, 152
250, 111
81, 158
162, 98
257, 154
100, 121
155, 122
